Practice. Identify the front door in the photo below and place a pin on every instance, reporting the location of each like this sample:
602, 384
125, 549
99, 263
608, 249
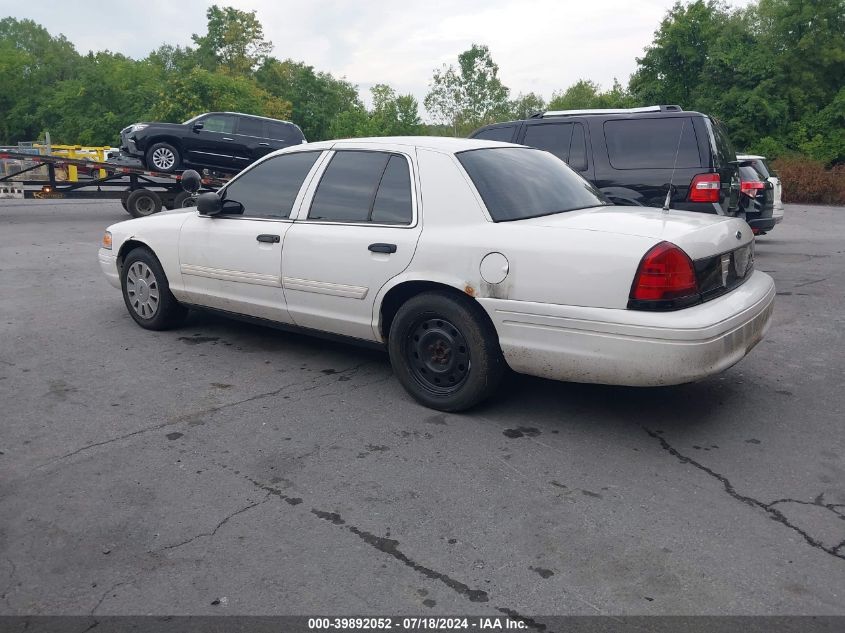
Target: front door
361, 230
233, 261
213, 145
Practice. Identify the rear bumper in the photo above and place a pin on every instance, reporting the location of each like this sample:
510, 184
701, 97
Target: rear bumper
108, 264
628, 347
763, 224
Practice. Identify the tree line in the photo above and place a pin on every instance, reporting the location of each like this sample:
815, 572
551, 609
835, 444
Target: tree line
773, 71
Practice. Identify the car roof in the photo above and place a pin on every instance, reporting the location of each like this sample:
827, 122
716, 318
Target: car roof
445, 144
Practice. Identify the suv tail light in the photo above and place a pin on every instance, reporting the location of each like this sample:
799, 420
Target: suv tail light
750, 187
705, 188
665, 280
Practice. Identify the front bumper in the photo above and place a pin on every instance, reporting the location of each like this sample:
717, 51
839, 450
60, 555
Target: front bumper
108, 264
629, 347
128, 145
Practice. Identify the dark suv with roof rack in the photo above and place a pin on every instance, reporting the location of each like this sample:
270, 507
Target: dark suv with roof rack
222, 141
633, 154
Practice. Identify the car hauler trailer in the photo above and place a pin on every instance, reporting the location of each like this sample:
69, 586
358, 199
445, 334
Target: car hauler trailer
140, 191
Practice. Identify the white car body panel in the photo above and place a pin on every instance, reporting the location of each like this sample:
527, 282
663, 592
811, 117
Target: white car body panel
777, 209
560, 311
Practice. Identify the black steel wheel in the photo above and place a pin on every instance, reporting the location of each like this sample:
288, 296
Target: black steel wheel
445, 351
438, 355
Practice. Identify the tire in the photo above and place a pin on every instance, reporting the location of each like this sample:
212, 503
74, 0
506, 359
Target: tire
123, 201
142, 202
163, 157
444, 351
184, 200
146, 292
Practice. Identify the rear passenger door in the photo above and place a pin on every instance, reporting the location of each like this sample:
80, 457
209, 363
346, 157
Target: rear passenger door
359, 231
566, 140
250, 141
213, 145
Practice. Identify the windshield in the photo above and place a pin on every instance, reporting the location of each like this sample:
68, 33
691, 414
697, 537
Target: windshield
189, 121
517, 183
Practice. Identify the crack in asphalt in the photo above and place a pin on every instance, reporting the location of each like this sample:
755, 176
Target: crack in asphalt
5, 594
219, 525
182, 418
774, 514
103, 598
391, 547
818, 502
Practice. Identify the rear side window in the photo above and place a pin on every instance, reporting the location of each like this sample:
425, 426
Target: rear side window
518, 183
364, 187
284, 132
504, 134
651, 143
269, 189
250, 127
219, 123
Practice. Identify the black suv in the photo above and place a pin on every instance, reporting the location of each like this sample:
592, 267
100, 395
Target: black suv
633, 154
222, 141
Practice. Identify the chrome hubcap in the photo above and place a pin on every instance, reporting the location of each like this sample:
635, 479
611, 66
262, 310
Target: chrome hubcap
142, 289
163, 158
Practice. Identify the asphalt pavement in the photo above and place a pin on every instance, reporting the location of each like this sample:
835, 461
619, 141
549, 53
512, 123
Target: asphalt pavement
229, 468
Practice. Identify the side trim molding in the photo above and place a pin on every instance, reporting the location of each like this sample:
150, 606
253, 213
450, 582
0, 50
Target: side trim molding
258, 279
325, 288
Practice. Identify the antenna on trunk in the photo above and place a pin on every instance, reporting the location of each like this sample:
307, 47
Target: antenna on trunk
674, 165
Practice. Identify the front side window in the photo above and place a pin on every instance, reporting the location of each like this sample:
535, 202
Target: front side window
518, 183
651, 143
362, 186
269, 189
219, 123
551, 137
504, 133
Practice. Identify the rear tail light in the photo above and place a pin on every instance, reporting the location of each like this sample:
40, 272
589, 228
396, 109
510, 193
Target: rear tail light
750, 187
705, 188
665, 280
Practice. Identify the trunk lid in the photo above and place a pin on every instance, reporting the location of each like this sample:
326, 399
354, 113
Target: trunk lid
701, 235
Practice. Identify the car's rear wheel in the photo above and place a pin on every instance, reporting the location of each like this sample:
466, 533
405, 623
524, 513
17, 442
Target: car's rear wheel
445, 351
146, 292
163, 157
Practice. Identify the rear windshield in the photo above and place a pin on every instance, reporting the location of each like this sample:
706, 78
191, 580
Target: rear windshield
762, 168
517, 183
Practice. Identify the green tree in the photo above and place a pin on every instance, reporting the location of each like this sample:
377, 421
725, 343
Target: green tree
469, 96
317, 98
392, 115
525, 105
234, 41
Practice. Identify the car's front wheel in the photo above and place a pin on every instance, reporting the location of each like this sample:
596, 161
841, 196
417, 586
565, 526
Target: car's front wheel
146, 292
445, 351
163, 157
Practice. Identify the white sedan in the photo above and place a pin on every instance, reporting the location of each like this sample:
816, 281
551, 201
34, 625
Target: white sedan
461, 257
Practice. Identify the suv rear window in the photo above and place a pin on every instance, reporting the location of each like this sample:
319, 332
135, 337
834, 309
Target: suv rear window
518, 183
651, 143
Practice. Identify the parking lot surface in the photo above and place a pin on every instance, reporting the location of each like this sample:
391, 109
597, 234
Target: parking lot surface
229, 468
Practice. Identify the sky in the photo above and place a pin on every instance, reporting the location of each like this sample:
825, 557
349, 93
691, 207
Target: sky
540, 45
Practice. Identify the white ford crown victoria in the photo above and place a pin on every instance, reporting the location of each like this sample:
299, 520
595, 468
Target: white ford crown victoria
461, 257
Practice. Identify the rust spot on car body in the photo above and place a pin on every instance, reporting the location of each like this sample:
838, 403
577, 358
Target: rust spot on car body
469, 290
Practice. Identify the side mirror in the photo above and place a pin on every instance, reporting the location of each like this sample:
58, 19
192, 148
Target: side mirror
209, 203
198, 127
191, 181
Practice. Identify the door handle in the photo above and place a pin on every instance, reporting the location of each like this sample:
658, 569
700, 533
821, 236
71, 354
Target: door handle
382, 248
270, 239
264, 144
225, 138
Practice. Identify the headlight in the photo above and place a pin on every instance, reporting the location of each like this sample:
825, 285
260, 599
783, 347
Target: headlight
107, 240
138, 126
